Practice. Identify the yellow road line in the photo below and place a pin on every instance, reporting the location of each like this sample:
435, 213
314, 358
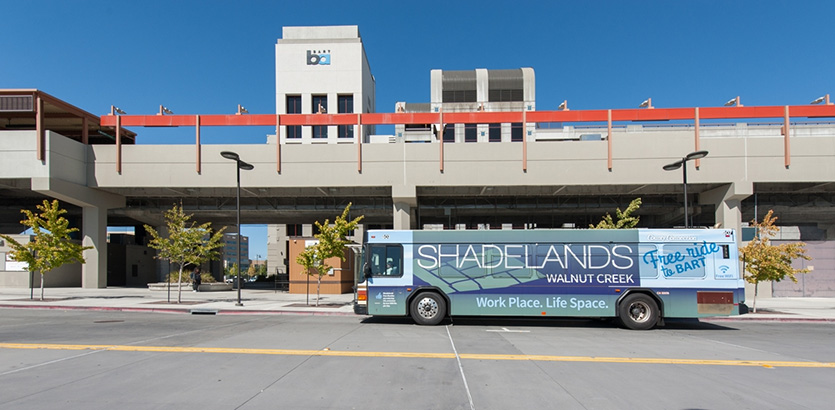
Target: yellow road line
417, 355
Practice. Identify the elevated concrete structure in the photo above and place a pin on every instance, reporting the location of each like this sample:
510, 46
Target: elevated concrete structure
564, 181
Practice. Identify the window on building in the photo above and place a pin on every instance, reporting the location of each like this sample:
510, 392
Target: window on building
449, 133
495, 132
458, 96
345, 104
294, 230
294, 106
505, 95
505, 85
320, 105
516, 132
470, 133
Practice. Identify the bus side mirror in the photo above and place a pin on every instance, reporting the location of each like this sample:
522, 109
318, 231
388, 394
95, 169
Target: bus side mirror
366, 270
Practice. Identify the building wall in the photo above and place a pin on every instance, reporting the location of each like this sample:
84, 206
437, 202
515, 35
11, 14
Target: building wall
339, 280
637, 159
68, 275
347, 73
276, 249
130, 265
19, 147
230, 251
820, 282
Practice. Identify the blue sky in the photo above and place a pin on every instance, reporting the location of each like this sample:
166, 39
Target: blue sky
208, 56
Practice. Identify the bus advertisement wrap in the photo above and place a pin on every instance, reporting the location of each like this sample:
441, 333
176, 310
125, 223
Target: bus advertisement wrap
555, 272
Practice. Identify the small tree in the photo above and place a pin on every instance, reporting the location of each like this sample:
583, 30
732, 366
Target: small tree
51, 246
764, 261
231, 271
186, 243
625, 218
331, 243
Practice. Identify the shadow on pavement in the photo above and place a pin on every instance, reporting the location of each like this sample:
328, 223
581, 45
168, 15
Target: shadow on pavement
594, 323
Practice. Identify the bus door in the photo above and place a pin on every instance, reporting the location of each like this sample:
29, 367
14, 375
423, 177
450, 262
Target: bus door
385, 279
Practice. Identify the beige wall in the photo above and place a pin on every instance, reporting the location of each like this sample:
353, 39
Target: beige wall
637, 159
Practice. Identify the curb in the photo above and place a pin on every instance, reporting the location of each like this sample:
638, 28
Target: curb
767, 319
183, 311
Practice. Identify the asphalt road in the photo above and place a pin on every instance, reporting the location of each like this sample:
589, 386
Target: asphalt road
106, 360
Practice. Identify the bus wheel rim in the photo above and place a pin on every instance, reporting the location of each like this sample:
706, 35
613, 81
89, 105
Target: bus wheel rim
639, 311
427, 308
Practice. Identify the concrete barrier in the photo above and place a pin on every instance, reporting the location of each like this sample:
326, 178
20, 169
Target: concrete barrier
204, 287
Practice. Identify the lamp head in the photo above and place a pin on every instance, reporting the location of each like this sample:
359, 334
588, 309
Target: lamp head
818, 100
674, 166
246, 166
696, 155
230, 155
733, 101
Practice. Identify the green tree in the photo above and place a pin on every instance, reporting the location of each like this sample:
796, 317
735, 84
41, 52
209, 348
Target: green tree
625, 218
187, 242
262, 270
331, 243
231, 271
764, 261
51, 246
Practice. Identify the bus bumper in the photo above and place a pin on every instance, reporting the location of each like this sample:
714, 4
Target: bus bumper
360, 309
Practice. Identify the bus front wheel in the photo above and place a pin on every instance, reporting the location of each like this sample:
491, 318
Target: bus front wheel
638, 312
428, 308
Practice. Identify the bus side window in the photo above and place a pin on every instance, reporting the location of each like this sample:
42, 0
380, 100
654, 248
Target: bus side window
375, 261
648, 260
386, 260
681, 263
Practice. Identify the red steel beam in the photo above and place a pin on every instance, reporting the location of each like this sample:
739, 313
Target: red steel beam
637, 114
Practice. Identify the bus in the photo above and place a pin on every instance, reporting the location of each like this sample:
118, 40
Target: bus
637, 276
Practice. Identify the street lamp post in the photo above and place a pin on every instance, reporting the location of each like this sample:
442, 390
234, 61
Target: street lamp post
682, 163
239, 166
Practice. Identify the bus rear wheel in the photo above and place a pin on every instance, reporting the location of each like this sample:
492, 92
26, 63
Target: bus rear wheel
428, 308
638, 312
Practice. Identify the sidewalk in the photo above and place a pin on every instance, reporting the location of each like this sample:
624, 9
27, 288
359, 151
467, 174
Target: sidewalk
267, 301
787, 310
255, 301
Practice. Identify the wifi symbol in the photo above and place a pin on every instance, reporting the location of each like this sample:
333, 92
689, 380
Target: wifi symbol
724, 268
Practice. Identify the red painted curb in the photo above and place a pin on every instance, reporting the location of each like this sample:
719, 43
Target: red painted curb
179, 310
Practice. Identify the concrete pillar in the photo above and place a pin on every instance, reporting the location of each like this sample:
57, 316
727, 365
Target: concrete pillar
727, 200
307, 230
402, 215
404, 198
482, 84
358, 234
94, 233
276, 248
94, 206
163, 266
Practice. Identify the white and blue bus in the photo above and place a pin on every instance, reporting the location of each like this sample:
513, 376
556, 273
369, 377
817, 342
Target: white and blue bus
638, 276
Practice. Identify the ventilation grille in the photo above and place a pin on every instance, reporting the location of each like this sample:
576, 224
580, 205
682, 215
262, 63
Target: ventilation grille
16, 103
